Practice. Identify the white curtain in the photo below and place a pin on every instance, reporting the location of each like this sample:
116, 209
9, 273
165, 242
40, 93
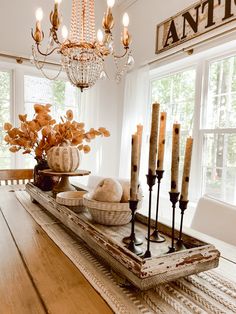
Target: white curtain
89, 114
89, 106
136, 96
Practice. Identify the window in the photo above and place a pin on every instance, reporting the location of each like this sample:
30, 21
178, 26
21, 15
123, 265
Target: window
176, 94
219, 131
212, 122
60, 94
5, 101
29, 89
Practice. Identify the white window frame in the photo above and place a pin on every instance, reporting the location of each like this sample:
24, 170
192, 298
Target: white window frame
4, 68
202, 130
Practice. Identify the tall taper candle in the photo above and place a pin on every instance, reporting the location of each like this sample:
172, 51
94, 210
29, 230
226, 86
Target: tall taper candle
175, 158
140, 136
186, 170
162, 141
153, 139
134, 168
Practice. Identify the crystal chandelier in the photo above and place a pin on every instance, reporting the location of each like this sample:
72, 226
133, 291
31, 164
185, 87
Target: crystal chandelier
82, 54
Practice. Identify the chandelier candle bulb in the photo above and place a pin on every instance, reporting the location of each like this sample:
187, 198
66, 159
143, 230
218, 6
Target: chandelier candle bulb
110, 3
153, 139
126, 37
134, 167
38, 35
39, 15
100, 36
187, 167
64, 32
175, 158
162, 141
126, 19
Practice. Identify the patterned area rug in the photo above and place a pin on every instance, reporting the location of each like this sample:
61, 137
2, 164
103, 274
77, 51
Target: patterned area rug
207, 292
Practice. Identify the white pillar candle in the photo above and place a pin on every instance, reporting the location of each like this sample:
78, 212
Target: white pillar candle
153, 139
134, 168
140, 136
162, 141
175, 158
186, 170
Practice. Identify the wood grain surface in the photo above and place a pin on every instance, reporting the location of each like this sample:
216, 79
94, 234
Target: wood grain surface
14, 279
34, 273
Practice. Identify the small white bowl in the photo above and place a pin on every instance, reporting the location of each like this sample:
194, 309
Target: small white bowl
107, 213
72, 199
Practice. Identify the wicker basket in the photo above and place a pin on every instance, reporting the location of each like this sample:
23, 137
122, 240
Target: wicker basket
72, 199
109, 214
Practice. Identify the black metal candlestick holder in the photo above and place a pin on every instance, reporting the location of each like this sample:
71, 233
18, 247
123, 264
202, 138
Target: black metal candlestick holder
151, 180
174, 197
133, 204
179, 244
137, 241
155, 236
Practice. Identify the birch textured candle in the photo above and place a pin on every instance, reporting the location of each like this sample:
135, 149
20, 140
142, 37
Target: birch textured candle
140, 136
153, 139
134, 168
186, 170
162, 141
175, 158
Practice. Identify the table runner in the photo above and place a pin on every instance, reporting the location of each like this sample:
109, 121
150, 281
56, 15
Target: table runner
206, 292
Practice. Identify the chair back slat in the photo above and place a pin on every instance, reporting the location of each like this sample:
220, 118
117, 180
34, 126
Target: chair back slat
10, 176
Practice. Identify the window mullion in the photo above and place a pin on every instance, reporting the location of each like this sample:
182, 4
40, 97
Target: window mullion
197, 154
18, 107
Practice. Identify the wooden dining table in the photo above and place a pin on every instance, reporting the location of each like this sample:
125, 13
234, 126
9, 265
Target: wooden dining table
37, 277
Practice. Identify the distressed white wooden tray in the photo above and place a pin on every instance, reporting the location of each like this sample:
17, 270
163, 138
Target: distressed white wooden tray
106, 241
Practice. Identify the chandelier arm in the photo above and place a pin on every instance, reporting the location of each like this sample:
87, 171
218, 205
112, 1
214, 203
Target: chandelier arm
100, 54
48, 53
55, 37
121, 56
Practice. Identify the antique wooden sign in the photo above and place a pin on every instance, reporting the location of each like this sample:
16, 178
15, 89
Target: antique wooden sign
200, 18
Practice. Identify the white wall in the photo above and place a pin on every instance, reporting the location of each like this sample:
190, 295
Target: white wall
144, 16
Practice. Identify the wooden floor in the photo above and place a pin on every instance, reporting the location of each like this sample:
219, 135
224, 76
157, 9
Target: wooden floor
35, 276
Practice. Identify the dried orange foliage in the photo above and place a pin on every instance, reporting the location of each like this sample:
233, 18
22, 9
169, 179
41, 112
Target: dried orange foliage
40, 134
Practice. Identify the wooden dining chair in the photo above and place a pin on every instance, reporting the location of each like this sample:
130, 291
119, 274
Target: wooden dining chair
15, 176
216, 219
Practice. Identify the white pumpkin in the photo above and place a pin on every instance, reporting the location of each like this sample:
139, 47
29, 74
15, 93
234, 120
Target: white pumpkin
108, 190
63, 158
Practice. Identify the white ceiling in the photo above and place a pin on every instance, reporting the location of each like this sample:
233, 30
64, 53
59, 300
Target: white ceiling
121, 2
